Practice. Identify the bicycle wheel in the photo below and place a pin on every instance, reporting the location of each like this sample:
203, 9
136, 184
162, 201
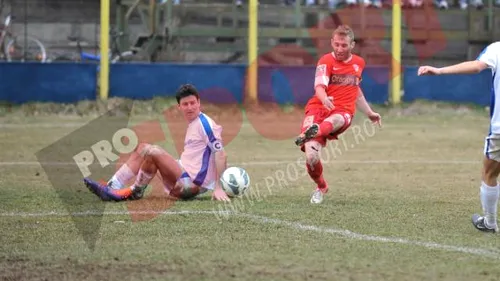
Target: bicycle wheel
23, 49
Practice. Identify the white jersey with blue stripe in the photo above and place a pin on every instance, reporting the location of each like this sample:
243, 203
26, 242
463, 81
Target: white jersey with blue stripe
491, 56
203, 139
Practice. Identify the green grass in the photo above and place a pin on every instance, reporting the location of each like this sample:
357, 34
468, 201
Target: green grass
416, 179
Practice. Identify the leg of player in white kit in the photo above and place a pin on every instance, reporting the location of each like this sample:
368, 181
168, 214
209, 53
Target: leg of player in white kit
489, 190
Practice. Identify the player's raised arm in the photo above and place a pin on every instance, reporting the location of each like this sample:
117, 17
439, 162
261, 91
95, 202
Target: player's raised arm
488, 58
468, 67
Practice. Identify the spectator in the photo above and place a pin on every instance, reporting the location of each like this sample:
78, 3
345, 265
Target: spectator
475, 3
332, 4
176, 2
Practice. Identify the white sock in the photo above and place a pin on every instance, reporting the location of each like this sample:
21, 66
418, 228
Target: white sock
489, 200
143, 179
121, 177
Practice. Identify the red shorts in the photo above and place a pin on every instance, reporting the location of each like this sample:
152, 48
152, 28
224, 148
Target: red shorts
318, 115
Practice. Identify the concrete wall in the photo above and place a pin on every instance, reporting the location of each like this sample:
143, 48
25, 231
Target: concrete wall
52, 21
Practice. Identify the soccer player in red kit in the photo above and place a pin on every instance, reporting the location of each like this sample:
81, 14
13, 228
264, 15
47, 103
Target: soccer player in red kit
330, 111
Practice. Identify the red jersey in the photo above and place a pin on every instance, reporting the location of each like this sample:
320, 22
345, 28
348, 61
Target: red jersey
341, 80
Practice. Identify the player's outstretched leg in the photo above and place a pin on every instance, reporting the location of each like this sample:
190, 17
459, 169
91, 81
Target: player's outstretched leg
97, 188
155, 159
489, 193
121, 178
129, 170
315, 170
328, 126
116, 188
179, 184
308, 134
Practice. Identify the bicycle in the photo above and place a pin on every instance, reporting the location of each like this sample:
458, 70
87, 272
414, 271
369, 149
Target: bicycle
12, 49
115, 55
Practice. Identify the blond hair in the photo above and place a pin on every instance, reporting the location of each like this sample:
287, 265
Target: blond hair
344, 30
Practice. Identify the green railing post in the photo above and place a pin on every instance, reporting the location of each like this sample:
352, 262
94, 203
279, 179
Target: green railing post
121, 26
490, 17
297, 18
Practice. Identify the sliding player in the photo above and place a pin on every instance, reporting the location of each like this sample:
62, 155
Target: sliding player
198, 169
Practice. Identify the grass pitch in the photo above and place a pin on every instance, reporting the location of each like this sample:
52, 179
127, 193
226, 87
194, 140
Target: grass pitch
398, 208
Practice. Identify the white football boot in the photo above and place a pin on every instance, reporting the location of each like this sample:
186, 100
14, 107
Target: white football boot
317, 197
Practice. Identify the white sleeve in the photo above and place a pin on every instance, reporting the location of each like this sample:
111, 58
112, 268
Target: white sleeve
321, 75
212, 132
323, 72
490, 56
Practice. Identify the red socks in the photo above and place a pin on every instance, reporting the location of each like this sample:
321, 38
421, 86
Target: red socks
316, 174
325, 128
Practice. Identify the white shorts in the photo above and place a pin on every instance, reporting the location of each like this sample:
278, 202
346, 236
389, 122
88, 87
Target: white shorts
492, 147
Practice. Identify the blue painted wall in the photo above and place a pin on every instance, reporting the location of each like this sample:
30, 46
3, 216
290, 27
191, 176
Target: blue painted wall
144, 81
281, 84
68, 82
474, 88
55, 82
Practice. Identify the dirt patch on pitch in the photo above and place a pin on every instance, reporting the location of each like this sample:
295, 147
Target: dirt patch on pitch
75, 270
116, 269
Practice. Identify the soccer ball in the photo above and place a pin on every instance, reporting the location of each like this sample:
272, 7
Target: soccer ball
235, 181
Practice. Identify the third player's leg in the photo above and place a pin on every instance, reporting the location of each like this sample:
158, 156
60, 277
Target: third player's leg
489, 190
491, 170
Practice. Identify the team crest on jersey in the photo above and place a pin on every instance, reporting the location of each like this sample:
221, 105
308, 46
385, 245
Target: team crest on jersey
356, 67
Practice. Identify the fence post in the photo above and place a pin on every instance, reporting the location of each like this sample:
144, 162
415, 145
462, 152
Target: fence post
252, 74
104, 62
396, 53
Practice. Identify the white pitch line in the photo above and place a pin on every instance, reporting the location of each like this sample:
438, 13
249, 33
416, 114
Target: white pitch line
291, 161
90, 213
368, 162
294, 225
41, 125
364, 237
